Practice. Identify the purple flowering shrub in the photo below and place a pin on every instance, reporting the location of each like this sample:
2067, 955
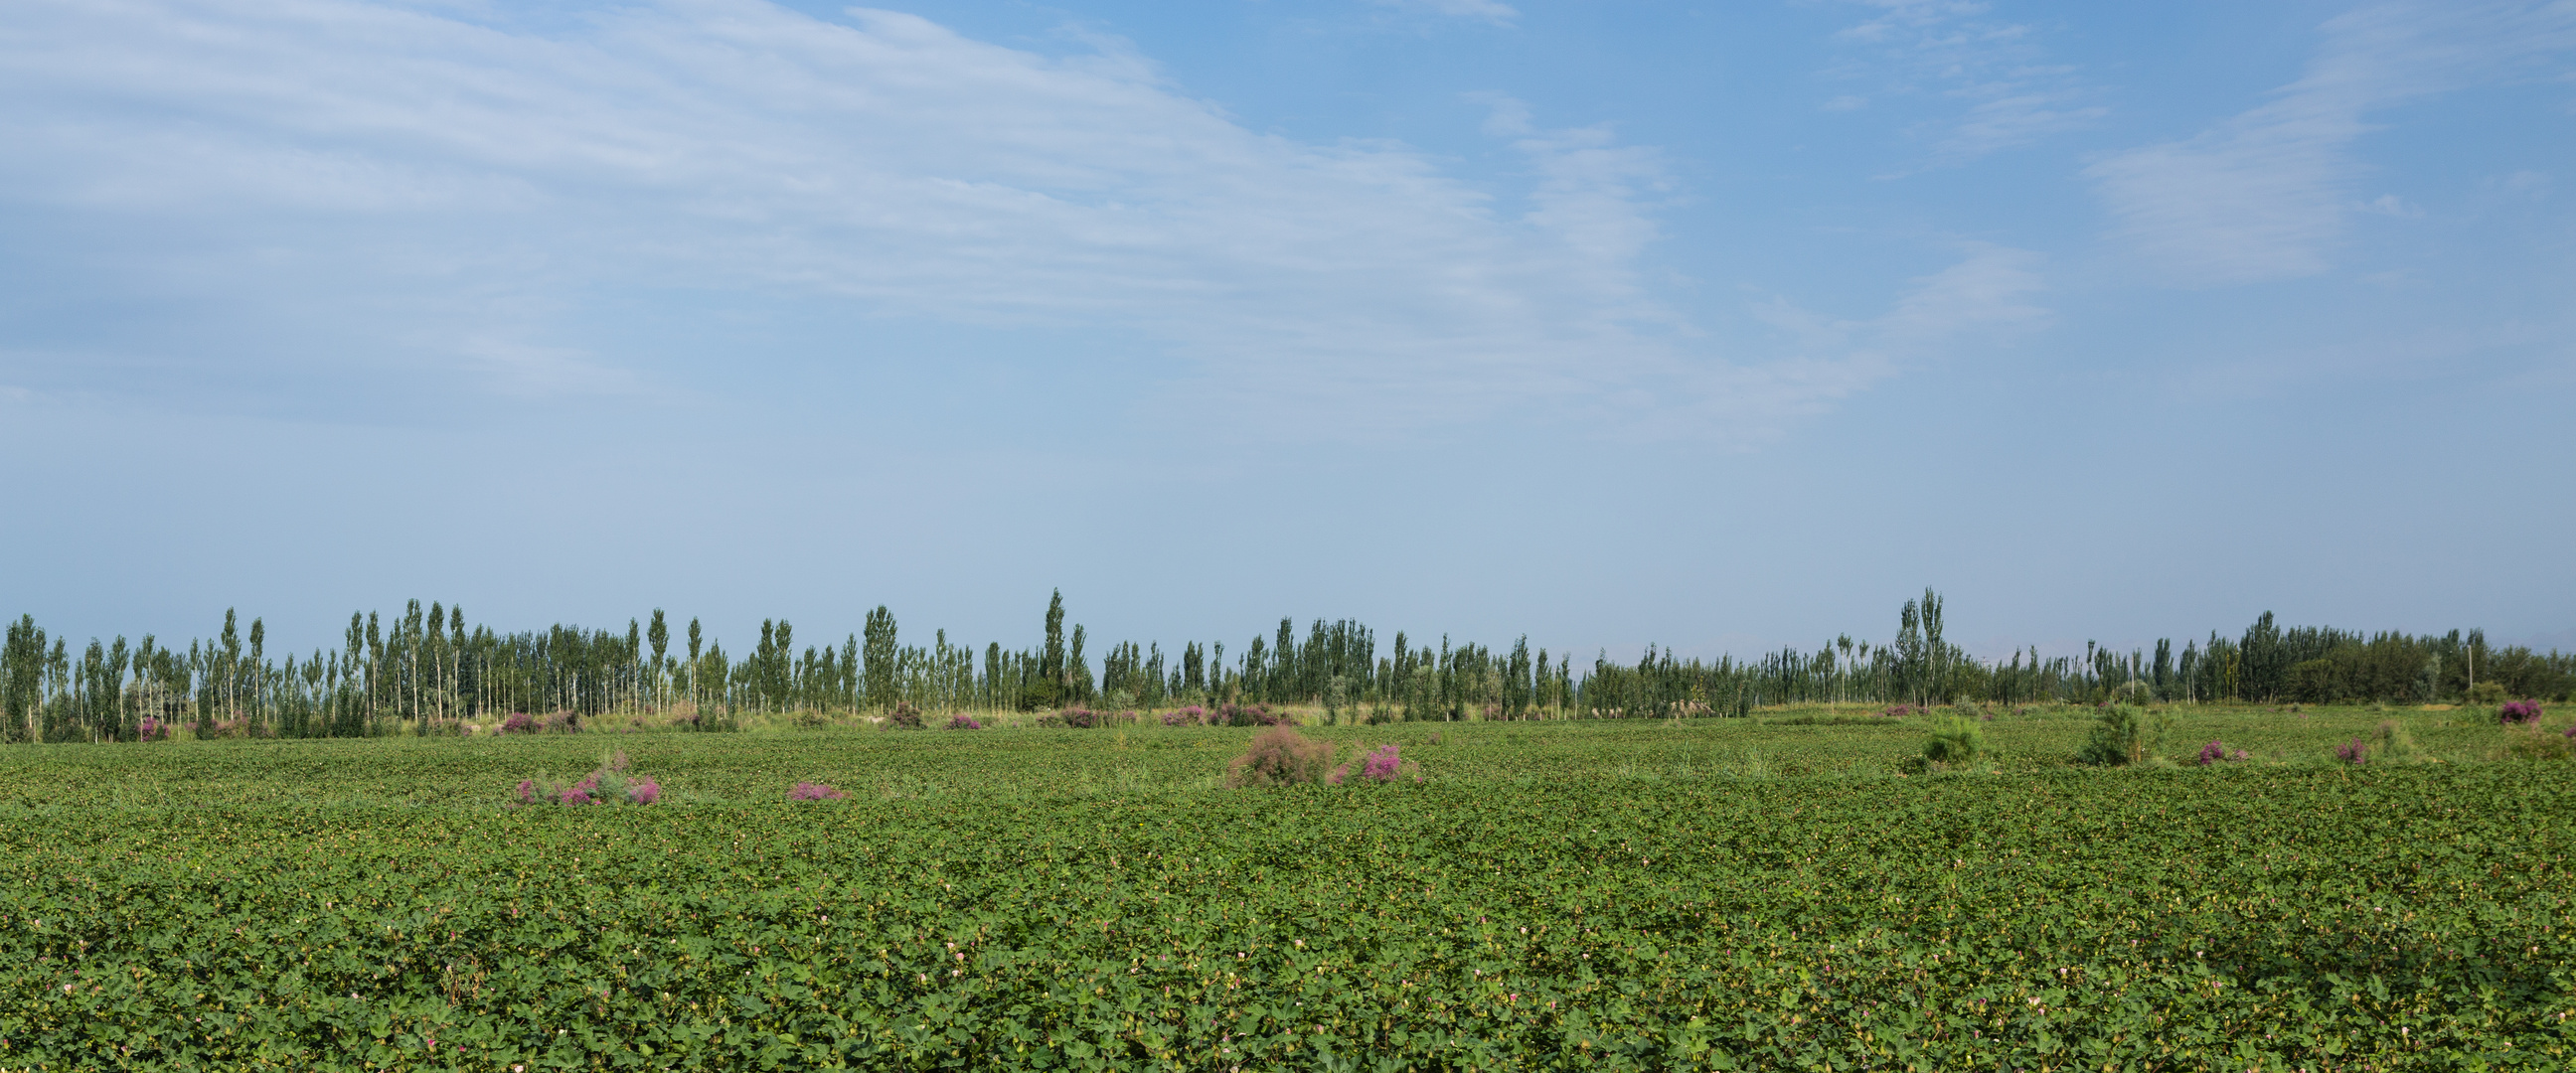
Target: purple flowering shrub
1900, 711
904, 715
814, 791
1258, 715
2218, 752
613, 782
1280, 756
151, 729
2355, 751
518, 723
1384, 765
1226, 715
239, 726
963, 721
1075, 718
2530, 742
2524, 712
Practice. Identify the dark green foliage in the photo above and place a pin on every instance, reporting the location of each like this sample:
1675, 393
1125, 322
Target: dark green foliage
2370, 918
427, 672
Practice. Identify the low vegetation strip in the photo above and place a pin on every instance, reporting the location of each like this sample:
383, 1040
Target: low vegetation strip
2230, 916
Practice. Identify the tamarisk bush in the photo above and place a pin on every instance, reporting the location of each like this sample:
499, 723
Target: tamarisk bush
1280, 756
611, 783
1382, 766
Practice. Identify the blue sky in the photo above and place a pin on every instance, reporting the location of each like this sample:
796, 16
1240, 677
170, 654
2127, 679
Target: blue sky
1718, 326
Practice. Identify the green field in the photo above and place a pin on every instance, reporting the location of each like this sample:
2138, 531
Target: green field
1764, 893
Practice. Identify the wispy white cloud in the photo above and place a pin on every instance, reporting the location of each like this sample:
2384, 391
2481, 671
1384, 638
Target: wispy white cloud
2266, 194
1991, 70
457, 194
497, 173
1487, 10
520, 370
1991, 294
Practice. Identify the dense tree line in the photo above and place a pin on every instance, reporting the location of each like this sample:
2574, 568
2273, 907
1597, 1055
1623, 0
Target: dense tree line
426, 670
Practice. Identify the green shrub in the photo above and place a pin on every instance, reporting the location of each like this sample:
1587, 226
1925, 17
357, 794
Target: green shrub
1957, 740
2396, 746
2122, 735
2533, 743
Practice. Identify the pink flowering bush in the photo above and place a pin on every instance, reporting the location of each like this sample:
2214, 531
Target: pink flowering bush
814, 791
963, 721
2217, 752
1382, 766
1899, 711
1228, 715
611, 783
2355, 751
518, 723
2524, 712
151, 729
1257, 715
1280, 756
239, 726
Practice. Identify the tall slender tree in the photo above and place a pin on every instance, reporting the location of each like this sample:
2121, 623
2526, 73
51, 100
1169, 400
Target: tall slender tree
880, 653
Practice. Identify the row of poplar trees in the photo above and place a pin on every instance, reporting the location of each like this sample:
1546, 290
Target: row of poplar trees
426, 670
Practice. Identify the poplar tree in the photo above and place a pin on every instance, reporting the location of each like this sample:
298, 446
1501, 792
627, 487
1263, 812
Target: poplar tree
1047, 690
22, 678
880, 652
1077, 676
